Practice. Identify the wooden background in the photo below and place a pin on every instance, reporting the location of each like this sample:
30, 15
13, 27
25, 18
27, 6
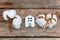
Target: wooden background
29, 4
30, 7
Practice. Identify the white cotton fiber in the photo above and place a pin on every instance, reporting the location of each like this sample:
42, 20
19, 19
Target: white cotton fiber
10, 13
16, 23
42, 22
5, 13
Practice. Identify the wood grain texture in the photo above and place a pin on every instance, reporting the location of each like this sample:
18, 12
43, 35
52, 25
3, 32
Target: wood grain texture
29, 3
29, 38
36, 31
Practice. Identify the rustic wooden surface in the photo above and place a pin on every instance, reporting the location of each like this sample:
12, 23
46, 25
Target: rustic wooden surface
29, 3
36, 31
30, 7
30, 39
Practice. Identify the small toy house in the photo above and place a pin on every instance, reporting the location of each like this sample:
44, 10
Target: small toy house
29, 21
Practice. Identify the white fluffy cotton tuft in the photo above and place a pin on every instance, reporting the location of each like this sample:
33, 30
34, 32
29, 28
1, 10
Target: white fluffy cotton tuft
5, 13
53, 21
16, 23
10, 13
42, 22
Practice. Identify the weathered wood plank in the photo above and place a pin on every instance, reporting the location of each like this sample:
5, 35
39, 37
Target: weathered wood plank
36, 31
29, 38
29, 3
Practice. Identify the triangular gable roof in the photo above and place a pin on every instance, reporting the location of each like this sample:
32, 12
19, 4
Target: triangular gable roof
29, 16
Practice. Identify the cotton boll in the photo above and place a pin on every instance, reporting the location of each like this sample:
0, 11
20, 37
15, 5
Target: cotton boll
16, 23
40, 21
53, 21
9, 13
49, 15
12, 13
46, 20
